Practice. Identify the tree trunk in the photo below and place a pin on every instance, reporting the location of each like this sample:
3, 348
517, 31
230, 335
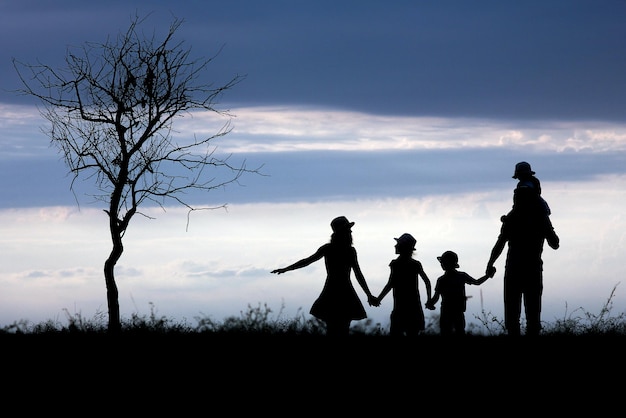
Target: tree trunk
115, 325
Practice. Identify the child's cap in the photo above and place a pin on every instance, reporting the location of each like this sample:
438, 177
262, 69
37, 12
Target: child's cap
449, 259
406, 240
522, 169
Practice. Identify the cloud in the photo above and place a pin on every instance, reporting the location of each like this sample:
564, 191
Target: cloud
290, 129
221, 264
439, 59
363, 156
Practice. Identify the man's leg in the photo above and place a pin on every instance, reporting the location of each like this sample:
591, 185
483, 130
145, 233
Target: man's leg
512, 304
532, 304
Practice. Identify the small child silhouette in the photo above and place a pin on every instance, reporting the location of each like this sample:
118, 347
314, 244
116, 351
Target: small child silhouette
451, 288
527, 180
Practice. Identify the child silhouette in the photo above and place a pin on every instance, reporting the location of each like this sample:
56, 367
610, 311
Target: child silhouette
451, 288
407, 316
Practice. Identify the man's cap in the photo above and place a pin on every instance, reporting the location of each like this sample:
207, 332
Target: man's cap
341, 223
449, 258
522, 168
406, 240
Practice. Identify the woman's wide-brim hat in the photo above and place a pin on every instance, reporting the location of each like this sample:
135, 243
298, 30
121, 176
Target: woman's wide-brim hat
341, 223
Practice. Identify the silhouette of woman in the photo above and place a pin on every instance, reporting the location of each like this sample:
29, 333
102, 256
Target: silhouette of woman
338, 304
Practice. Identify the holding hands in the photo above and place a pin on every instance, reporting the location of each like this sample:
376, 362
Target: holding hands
373, 301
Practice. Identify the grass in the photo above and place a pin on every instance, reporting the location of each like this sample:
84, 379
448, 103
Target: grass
260, 320
250, 361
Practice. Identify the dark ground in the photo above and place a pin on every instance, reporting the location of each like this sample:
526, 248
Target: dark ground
275, 374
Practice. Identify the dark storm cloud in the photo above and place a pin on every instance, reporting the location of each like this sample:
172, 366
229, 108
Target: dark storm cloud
338, 175
500, 59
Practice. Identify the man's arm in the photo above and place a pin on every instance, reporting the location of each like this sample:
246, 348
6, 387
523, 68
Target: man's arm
551, 237
495, 253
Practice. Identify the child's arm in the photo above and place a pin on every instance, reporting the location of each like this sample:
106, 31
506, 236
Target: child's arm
387, 287
384, 292
432, 301
491, 271
480, 281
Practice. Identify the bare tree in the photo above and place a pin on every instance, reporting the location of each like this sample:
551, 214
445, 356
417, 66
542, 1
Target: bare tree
111, 114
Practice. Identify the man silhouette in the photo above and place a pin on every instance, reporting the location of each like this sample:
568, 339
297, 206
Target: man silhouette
525, 228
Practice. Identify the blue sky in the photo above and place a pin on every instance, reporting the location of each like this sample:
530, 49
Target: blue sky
405, 117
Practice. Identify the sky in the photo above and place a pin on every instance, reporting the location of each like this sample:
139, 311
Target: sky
404, 116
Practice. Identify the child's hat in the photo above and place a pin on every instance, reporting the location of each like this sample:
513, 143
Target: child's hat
522, 168
406, 240
449, 258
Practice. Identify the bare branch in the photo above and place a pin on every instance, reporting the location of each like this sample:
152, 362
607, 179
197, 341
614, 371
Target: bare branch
111, 111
